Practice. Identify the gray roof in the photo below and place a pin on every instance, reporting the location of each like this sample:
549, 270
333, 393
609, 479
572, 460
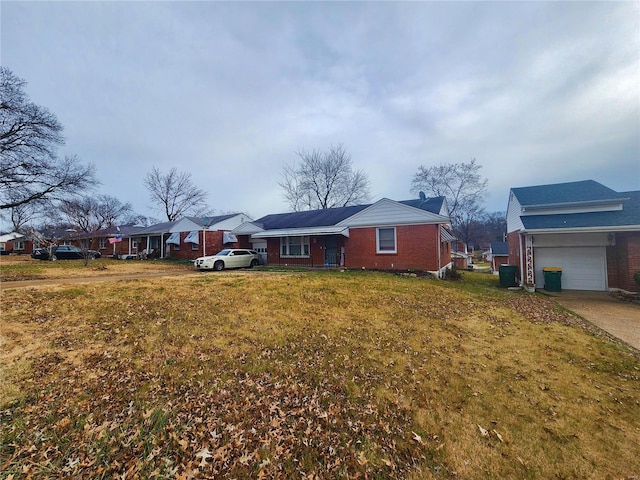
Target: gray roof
573, 192
208, 221
499, 248
628, 216
309, 218
156, 229
432, 204
332, 216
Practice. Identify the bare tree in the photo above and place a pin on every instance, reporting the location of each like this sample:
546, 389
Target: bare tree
174, 193
21, 215
461, 184
323, 180
89, 215
29, 138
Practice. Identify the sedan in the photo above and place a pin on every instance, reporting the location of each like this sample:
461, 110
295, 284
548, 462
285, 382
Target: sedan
64, 252
228, 258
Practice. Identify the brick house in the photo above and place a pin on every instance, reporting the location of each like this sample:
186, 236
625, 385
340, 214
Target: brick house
15, 243
585, 228
386, 235
189, 237
498, 254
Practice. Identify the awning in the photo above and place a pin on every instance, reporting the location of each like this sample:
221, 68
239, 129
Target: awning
303, 232
446, 235
174, 238
193, 237
228, 237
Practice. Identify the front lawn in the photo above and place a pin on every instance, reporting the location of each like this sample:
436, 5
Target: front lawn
310, 375
23, 267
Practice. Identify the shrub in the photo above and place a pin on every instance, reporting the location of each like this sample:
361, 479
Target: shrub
452, 274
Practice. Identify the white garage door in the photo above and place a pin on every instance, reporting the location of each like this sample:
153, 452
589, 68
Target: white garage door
583, 268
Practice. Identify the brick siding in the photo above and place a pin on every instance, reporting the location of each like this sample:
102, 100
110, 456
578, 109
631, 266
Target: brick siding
623, 260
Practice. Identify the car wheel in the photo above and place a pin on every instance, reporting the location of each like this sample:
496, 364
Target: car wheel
254, 263
219, 265
54, 258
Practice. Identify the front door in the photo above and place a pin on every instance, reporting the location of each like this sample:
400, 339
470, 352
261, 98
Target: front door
331, 251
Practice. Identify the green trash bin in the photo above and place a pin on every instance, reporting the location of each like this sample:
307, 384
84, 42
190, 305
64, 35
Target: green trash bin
507, 275
552, 279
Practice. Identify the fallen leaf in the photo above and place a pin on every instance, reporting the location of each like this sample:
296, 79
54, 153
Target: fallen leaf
204, 454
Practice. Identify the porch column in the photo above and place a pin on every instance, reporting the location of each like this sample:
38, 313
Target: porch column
530, 278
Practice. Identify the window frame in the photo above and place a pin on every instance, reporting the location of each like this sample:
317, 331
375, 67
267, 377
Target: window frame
395, 241
286, 244
19, 245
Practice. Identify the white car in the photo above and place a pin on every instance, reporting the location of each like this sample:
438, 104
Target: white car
228, 258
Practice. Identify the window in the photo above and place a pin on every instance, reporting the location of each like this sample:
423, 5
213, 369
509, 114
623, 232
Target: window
102, 243
195, 246
294, 246
18, 245
386, 240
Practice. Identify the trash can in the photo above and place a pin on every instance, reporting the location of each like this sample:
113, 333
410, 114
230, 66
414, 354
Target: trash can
552, 279
507, 275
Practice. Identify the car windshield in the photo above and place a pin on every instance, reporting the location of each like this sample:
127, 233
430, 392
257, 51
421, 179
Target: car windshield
223, 253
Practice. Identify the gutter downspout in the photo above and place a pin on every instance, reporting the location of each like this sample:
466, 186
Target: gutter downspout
522, 272
439, 236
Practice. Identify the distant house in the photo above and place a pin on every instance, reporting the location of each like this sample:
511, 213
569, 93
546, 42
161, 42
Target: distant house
589, 230
116, 241
461, 256
188, 237
498, 254
15, 243
410, 234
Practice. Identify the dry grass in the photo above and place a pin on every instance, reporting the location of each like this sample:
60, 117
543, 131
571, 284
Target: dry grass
23, 267
334, 375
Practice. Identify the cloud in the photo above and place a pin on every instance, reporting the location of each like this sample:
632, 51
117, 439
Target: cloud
536, 92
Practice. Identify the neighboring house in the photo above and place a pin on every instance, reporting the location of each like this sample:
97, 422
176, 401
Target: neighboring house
116, 241
15, 243
587, 229
189, 237
388, 234
461, 256
498, 255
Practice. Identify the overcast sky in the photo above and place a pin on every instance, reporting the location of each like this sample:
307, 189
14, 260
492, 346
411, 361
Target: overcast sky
537, 93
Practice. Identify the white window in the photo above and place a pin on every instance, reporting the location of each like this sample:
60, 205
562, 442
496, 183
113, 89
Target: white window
294, 246
102, 243
386, 240
18, 245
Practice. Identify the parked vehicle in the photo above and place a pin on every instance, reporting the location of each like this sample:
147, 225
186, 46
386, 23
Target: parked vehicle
64, 252
228, 258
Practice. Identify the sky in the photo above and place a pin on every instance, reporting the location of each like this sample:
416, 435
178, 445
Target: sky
537, 93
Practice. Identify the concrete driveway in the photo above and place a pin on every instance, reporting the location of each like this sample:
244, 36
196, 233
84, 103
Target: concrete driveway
621, 319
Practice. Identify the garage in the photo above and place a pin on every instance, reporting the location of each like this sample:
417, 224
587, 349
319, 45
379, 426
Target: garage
583, 268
